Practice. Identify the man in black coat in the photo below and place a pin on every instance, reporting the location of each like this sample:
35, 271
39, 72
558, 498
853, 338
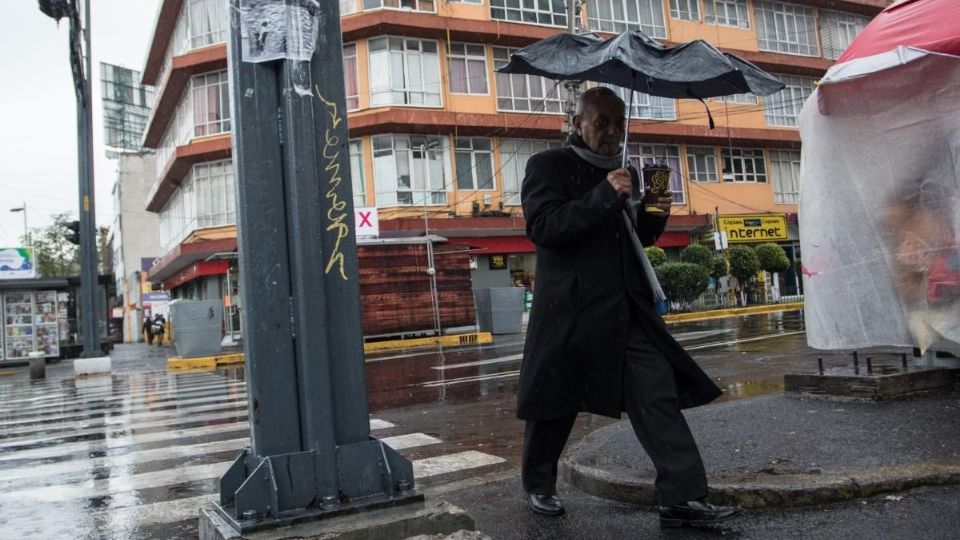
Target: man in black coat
595, 342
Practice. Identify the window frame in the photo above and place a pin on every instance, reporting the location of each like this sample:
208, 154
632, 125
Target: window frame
775, 105
787, 15
467, 57
358, 176
399, 6
411, 167
755, 154
780, 158
557, 17
470, 149
840, 20
690, 13
645, 107
353, 99
547, 87
203, 83
693, 166
511, 171
735, 5
616, 19
405, 55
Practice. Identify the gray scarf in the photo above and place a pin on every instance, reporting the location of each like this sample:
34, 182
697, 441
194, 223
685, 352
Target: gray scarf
609, 163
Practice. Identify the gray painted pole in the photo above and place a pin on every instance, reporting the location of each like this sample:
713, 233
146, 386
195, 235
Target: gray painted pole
89, 299
311, 454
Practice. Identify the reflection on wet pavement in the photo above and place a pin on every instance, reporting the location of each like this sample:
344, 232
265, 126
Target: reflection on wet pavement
135, 454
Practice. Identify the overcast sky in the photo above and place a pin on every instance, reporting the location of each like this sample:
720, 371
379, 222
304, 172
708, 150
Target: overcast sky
38, 137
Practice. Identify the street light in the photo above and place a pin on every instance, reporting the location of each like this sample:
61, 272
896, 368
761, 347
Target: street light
24, 210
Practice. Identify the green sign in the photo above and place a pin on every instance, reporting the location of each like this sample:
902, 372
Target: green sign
17, 263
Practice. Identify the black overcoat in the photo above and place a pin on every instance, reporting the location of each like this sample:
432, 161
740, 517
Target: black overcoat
586, 279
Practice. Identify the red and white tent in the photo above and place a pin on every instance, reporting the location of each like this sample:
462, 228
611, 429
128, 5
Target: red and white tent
880, 185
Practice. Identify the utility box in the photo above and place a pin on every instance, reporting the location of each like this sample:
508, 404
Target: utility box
500, 309
197, 327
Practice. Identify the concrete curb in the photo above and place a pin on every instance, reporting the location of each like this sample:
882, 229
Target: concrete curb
765, 491
732, 312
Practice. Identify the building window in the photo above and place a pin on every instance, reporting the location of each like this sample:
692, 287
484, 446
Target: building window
410, 169
742, 99
620, 15
651, 154
351, 82
783, 108
474, 163
514, 154
205, 198
786, 28
208, 22
358, 179
548, 12
518, 92
646, 106
727, 13
404, 72
785, 170
214, 191
687, 10
348, 6
702, 164
467, 68
837, 31
414, 5
743, 165
211, 103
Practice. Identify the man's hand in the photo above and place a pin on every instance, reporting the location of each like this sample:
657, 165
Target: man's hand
663, 202
620, 180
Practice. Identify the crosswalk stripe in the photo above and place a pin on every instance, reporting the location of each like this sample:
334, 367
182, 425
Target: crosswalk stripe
174, 452
471, 459
92, 412
124, 401
95, 488
115, 392
124, 417
473, 378
93, 386
125, 428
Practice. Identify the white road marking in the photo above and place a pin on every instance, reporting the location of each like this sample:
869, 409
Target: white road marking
500, 360
471, 459
474, 378
410, 440
744, 340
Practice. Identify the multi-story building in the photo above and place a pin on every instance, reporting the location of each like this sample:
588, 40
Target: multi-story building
439, 137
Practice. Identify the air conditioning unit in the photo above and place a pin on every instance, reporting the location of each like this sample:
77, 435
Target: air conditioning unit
487, 200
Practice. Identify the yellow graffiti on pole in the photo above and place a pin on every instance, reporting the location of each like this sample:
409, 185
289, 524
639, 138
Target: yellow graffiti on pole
336, 214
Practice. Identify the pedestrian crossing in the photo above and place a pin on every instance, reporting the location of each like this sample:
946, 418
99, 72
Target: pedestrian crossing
143, 451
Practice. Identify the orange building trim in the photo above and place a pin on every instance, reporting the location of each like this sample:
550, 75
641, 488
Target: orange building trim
206, 149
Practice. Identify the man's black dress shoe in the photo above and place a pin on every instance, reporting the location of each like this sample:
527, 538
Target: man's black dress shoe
695, 513
548, 505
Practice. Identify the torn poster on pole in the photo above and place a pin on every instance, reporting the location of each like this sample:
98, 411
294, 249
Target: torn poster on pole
279, 29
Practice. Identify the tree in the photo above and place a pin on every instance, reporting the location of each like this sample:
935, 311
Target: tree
697, 254
720, 267
683, 282
772, 258
744, 266
656, 256
55, 255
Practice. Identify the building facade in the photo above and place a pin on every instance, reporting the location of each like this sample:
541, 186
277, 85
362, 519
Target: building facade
439, 138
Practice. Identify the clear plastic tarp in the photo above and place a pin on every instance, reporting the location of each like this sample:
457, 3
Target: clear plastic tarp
880, 208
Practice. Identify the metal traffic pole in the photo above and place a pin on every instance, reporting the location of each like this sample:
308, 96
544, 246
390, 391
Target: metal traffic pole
311, 453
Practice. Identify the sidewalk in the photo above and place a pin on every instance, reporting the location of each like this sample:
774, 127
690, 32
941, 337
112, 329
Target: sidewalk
776, 451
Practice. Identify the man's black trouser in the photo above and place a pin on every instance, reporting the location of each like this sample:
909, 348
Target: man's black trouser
650, 399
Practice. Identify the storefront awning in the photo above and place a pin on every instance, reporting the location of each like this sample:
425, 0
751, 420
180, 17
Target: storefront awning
497, 244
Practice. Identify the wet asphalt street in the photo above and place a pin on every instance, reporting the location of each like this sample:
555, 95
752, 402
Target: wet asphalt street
134, 455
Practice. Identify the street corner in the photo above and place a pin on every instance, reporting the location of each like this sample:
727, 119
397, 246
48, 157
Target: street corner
781, 452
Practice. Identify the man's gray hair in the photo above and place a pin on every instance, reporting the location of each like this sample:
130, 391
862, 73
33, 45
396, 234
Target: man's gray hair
591, 96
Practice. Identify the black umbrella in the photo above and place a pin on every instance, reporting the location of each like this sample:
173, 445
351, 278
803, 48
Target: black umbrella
636, 61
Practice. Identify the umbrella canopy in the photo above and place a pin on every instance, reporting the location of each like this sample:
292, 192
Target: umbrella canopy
903, 32
636, 61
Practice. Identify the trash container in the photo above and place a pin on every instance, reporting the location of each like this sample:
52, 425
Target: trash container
500, 309
197, 327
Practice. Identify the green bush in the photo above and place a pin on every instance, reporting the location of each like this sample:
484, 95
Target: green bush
772, 258
656, 256
683, 282
720, 268
744, 264
697, 254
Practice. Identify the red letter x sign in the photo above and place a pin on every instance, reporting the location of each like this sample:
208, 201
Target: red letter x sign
365, 219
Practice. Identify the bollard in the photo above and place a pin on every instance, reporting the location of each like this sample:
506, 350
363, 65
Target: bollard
903, 360
820, 364
856, 363
869, 365
38, 365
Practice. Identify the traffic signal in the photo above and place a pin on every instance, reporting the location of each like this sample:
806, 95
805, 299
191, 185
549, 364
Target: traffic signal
74, 235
